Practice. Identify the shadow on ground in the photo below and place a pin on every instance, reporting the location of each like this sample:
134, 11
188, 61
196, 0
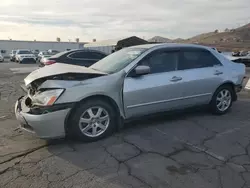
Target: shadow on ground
185, 149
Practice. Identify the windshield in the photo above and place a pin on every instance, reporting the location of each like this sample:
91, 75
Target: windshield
118, 60
24, 52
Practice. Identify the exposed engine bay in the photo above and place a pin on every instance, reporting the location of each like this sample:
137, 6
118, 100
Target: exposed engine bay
33, 89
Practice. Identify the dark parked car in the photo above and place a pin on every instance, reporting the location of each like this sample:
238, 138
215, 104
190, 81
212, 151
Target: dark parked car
83, 57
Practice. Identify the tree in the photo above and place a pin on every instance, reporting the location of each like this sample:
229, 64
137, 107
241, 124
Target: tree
216, 31
226, 30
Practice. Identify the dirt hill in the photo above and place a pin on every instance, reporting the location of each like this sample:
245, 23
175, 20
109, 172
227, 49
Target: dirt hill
159, 39
234, 39
233, 35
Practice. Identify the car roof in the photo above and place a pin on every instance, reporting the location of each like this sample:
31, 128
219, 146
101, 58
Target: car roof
66, 52
85, 50
169, 45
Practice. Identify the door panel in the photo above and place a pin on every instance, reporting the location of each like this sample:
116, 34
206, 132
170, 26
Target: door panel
154, 92
198, 85
151, 93
201, 73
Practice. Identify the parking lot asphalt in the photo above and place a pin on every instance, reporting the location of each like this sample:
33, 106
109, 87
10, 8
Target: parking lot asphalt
184, 150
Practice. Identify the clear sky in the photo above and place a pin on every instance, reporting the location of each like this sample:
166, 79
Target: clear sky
109, 19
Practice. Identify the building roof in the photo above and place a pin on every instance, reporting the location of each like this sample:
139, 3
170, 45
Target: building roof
124, 42
111, 42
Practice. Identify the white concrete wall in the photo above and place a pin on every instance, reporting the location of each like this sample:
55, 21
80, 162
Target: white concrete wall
9, 45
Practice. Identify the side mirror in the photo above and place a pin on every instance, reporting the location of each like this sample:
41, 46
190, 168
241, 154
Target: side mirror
142, 70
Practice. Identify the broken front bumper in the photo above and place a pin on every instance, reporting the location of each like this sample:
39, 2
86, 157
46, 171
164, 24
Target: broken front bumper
46, 124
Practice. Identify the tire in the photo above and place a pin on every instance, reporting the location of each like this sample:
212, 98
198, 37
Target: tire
225, 93
73, 125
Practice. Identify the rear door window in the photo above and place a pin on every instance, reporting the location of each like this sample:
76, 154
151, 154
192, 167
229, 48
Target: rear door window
198, 58
87, 55
79, 55
96, 55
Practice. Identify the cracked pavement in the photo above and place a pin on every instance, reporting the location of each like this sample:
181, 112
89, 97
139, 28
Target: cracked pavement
184, 150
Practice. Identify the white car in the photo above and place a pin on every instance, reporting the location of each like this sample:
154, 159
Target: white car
1, 58
41, 55
25, 56
44, 58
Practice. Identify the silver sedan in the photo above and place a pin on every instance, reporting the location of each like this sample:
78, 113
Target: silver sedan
91, 103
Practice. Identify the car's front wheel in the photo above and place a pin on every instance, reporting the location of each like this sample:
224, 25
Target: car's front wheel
92, 120
222, 100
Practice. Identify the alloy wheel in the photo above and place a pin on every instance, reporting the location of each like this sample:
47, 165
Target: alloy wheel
223, 100
94, 121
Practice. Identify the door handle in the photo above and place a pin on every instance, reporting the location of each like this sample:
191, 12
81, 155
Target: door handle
175, 79
218, 72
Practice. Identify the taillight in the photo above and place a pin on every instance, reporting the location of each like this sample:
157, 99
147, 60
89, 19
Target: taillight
49, 62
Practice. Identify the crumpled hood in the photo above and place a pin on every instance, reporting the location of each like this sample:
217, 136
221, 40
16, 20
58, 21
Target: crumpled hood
58, 69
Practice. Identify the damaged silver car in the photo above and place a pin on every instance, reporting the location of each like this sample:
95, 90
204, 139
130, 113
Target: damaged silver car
90, 103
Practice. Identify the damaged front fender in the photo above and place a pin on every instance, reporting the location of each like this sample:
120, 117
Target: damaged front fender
110, 86
52, 84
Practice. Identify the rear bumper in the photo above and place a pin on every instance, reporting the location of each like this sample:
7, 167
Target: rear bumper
238, 88
47, 125
244, 84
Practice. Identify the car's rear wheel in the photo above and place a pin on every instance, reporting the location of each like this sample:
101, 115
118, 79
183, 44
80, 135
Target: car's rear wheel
92, 120
222, 100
